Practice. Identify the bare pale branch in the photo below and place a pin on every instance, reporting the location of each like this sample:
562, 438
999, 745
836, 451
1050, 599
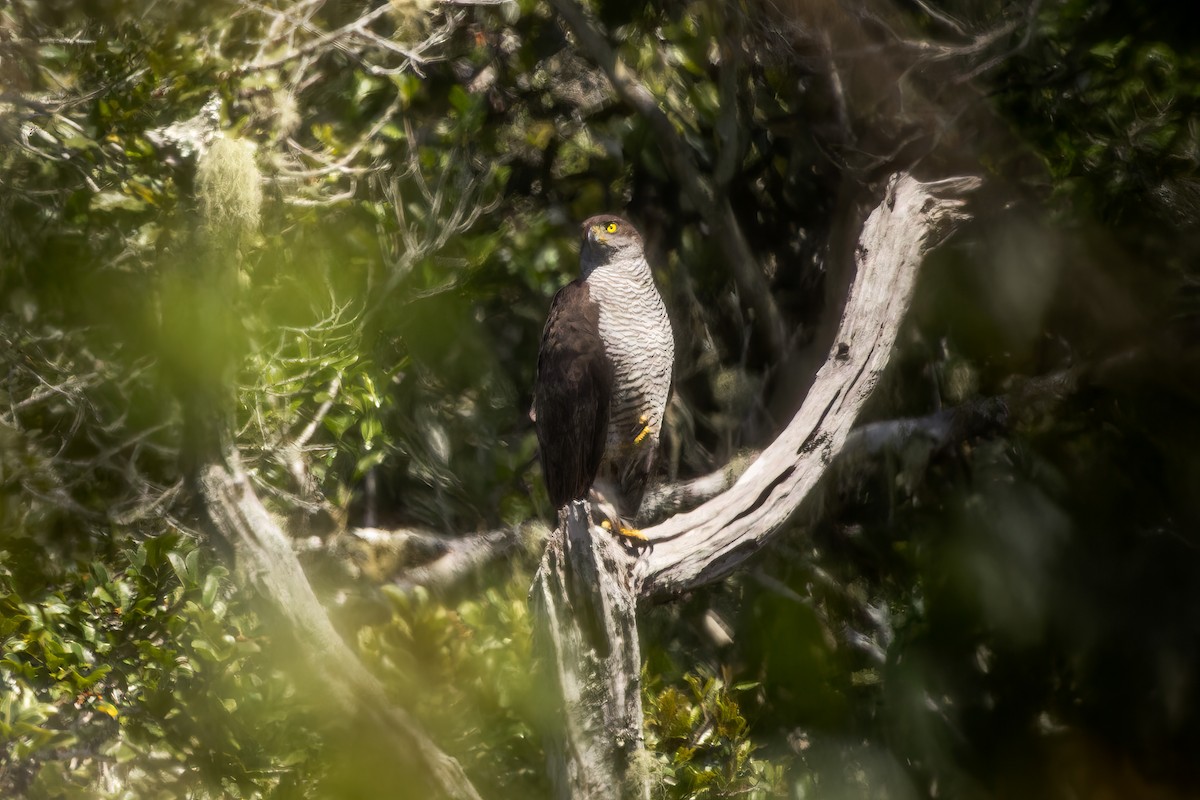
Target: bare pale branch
709, 542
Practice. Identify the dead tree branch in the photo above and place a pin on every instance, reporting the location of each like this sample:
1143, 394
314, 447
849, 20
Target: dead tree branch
710, 542
464, 557
441, 562
672, 498
265, 556
203, 373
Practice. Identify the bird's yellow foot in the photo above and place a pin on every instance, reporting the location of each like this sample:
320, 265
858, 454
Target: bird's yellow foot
632, 533
621, 530
644, 420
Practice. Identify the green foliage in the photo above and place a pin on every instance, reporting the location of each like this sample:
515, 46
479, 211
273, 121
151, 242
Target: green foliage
1109, 109
702, 741
466, 671
138, 678
490, 706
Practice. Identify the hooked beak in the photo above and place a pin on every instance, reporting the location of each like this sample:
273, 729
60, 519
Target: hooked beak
595, 235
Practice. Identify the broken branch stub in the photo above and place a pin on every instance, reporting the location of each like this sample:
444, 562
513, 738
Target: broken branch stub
586, 638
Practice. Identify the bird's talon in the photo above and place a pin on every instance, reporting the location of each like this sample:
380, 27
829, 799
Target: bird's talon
631, 533
621, 530
644, 420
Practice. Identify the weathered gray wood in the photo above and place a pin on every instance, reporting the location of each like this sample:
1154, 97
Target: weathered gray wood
412, 558
587, 643
709, 542
671, 498
266, 558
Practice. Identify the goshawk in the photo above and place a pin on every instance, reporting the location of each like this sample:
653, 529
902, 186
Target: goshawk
604, 374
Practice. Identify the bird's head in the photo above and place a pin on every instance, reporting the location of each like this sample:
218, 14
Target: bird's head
607, 238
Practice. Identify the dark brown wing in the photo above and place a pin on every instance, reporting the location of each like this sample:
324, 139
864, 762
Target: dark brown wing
571, 395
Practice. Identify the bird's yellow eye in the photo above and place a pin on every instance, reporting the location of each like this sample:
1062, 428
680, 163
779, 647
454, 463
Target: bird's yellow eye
611, 227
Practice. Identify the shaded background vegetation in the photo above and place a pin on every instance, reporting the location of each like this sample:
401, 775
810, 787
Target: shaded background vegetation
1013, 613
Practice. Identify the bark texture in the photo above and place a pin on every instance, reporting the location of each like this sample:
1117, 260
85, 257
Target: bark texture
587, 639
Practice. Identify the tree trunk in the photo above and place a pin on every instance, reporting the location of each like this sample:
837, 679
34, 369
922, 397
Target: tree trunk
587, 641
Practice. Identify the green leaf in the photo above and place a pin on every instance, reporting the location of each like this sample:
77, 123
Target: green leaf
338, 424
180, 565
364, 464
212, 584
370, 428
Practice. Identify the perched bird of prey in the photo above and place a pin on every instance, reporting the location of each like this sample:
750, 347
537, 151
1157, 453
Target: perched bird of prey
604, 373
